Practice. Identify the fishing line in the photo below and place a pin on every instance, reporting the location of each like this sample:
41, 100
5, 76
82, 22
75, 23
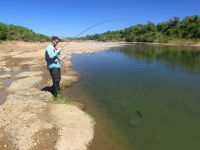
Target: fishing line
93, 26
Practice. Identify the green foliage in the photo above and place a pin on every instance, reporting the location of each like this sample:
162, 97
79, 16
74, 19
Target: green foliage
187, 28
141, 33
92, 118
13, 32
107, 36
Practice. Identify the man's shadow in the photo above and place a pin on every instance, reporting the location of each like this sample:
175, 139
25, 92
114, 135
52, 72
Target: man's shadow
48, 89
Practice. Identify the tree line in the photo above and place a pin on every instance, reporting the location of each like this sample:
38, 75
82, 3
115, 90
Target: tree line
175, 28
13, 32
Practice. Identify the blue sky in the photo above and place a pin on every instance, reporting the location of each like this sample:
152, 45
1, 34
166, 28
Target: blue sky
70, 17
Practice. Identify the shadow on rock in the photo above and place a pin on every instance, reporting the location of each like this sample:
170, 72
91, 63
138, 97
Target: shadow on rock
47, 89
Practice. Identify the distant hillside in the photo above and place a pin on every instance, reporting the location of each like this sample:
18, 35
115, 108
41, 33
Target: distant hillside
13, 32
173, 29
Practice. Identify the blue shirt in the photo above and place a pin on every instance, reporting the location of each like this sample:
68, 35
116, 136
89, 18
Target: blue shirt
51, 56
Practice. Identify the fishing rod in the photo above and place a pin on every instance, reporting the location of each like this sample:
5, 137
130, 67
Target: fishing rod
93, 26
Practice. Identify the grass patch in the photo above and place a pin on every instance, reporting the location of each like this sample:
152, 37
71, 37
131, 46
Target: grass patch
62, 99
92, 118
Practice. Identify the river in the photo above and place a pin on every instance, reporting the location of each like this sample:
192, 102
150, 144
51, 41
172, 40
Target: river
142, 97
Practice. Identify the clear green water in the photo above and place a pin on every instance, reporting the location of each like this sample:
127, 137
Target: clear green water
150, 93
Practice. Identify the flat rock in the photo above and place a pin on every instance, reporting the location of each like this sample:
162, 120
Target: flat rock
67, 57
28, 62
15, 69
6, 69
29, 74
134, 121
24, 83
5, 76
28, 55
2, 65
75, 128
67, 64
19, 116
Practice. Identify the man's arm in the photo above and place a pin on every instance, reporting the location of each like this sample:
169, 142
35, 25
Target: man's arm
51, 53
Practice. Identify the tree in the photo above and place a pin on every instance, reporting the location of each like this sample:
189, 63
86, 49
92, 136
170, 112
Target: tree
175, 28
13, 32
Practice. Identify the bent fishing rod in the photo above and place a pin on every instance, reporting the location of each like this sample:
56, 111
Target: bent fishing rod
93, 26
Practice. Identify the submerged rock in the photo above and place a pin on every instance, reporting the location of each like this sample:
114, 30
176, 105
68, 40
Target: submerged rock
134, 121
68, 80
139, 113
79, 105
72, 72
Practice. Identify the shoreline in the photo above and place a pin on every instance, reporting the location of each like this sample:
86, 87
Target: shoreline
170, 43
30, 118
190, 44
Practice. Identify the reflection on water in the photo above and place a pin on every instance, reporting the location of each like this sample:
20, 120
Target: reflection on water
187, 57
150, 93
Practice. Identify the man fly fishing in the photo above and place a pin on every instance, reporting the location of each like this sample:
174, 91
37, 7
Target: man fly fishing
52, 55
